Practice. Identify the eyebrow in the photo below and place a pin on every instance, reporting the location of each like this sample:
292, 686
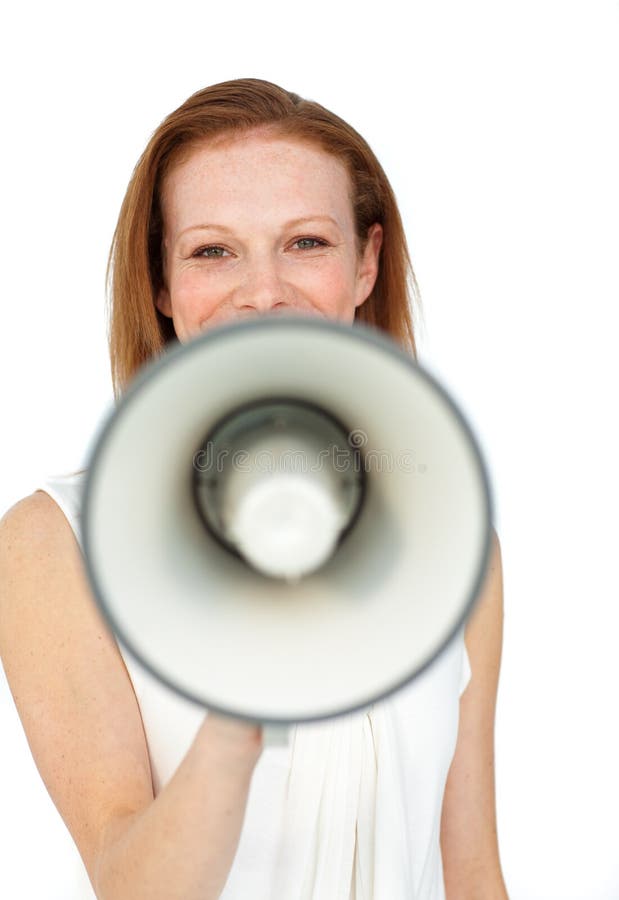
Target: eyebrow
292, 223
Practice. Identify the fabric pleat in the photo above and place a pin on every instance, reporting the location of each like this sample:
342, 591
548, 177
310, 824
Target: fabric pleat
345, 794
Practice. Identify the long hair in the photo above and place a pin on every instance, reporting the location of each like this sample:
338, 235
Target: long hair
137, 331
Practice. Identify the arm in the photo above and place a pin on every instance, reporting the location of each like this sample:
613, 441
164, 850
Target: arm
84, 728
469, 842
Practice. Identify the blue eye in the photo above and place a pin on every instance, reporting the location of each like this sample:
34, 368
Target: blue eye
213, 252
309, 243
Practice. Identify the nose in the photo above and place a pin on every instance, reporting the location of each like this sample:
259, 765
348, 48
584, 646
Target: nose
263, 289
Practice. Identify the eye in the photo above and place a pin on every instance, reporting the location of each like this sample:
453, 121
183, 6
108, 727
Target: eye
214, 251
309, 243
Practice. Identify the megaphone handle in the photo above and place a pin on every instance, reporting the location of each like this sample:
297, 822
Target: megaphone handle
275, 735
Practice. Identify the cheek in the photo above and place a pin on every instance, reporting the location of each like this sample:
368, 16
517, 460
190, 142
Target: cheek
332, 286
192, 296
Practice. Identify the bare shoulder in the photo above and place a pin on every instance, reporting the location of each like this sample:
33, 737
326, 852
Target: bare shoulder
36, 512
67, 677
35, 539
41, 571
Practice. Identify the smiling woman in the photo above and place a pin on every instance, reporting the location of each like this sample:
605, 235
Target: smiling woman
247, 201
241, 132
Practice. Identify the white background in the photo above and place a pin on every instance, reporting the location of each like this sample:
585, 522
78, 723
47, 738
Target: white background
497, 124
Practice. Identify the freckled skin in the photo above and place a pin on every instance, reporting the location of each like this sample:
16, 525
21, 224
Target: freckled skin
234, 245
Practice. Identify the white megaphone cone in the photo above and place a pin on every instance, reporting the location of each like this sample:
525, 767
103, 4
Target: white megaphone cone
286, 519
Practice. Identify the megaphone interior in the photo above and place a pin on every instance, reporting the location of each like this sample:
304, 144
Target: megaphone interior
286, 595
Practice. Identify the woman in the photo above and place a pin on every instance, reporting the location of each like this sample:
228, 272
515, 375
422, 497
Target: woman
247, 200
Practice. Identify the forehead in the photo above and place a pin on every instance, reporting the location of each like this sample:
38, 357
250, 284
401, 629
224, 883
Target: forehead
255, 172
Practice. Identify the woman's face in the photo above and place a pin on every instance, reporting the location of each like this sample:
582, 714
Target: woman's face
261, 224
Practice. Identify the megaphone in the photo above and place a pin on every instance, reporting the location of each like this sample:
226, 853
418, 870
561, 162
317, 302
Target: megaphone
286, 519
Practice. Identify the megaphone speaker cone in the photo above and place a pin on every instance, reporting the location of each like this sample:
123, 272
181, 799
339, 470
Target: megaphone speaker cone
394, 585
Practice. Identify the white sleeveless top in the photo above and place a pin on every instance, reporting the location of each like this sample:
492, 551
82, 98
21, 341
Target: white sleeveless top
350, 809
